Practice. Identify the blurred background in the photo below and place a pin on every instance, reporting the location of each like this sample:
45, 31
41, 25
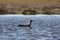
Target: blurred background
30, 7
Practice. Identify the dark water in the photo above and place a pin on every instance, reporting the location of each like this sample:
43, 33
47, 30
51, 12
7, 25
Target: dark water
44, 27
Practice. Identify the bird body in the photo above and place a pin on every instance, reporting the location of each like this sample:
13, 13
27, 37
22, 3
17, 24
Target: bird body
29, 25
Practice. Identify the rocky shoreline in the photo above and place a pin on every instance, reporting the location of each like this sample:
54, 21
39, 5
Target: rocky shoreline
8, 8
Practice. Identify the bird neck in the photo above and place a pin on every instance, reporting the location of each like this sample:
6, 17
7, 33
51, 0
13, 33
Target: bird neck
30, 23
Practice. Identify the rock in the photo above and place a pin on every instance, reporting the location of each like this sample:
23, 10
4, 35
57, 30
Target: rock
29, 12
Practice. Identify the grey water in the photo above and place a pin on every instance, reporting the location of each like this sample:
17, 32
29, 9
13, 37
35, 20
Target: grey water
44, 27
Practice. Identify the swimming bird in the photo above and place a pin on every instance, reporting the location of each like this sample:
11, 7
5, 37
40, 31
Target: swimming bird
29, 25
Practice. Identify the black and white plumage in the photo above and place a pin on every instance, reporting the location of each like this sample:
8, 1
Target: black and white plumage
29, 25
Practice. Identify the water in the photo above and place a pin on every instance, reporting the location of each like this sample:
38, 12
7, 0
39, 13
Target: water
44, 27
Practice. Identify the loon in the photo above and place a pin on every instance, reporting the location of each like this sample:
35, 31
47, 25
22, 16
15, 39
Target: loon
29, 25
